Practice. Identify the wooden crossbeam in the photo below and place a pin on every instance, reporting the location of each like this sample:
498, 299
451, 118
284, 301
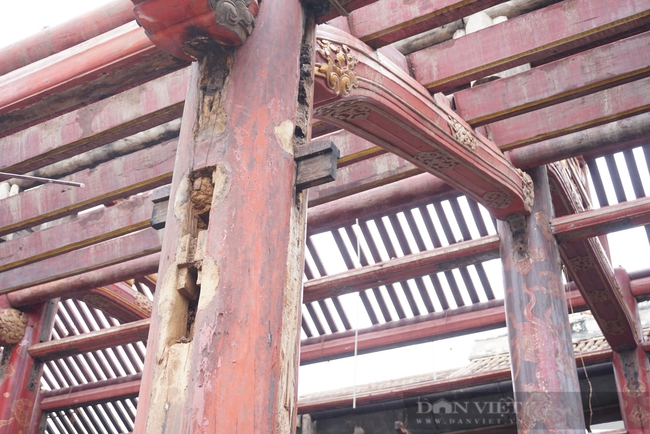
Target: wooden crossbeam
118, 178
392, 271
591, 270
602, 221
119, 301
91, 228
383, 23
92, 341
92, 396
571, 116
565, 79
76, 262
97, 124
113, 62
559, 28
374, 98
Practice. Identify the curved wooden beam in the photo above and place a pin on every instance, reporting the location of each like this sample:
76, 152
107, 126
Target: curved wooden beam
364, 92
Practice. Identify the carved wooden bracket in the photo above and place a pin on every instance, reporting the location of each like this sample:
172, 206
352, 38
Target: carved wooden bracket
366, 93
12, 326
175, 26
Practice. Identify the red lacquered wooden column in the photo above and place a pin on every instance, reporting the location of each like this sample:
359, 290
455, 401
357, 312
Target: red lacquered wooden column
544, 375
632, 371
222, 351
20, 374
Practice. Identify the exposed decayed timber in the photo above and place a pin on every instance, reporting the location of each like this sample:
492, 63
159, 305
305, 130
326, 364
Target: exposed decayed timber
205, 304
541, 350
67, 287
95, 125
565, 79
372, 97
92, 341
559, 28
418, 264
591, 270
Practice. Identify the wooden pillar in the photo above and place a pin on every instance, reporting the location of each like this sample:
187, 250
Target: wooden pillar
632, 371
222, 352
544, 375
20, 373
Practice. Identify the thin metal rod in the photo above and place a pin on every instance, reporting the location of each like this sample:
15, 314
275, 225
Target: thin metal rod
45, 180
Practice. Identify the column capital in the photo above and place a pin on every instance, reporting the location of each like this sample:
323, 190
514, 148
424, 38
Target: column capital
174, 26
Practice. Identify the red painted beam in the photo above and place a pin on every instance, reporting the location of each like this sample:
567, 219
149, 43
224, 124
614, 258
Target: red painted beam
559, 28
415, 191
111, 63
119, 178
58, 38
119, 301
68, 287
91, 228
614, 136
353, 148
325, 9
97, 124
101, 255
113, 392
362, 176
383, 23
86, 342
383, 104
418, 264
602, 221
568, 117
565, 79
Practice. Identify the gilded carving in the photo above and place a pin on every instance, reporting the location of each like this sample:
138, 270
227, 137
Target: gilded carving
461, 134
437, 160
581, 263
143, 303
497, 199
12, 326
338, 71
344, 111
234, 16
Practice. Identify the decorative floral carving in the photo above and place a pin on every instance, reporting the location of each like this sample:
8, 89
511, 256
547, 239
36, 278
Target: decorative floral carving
338, 71
528, 190
599, 296
461, 134
581, 263
437, 160
639, 415
634, 388
142, 303
344, 111
234, 16
614, 326
497, 199
12, 326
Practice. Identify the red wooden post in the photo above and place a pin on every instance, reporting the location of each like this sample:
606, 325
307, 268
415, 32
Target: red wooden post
222, 352
544, 376
20, 373
632, 371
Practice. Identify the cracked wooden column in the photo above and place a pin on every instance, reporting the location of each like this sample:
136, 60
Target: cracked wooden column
20, 374
544, 375
222, 353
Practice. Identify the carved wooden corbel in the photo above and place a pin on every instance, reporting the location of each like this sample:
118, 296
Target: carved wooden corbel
12, 326
177, 27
